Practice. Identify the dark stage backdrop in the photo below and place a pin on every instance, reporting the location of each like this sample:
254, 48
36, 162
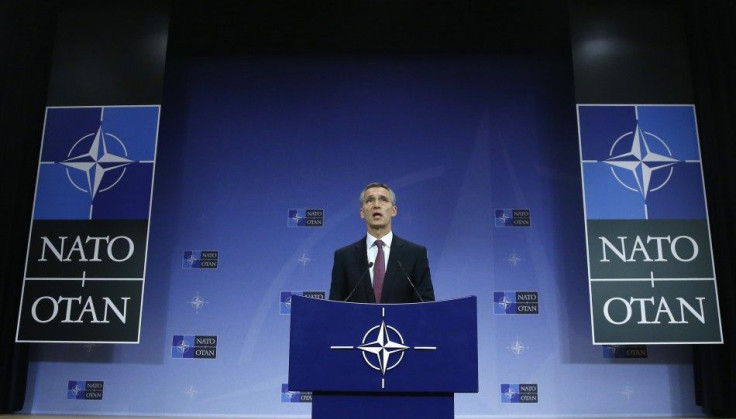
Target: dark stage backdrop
249, 145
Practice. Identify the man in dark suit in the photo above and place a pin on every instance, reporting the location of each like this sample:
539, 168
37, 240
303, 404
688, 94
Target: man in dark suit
381, 267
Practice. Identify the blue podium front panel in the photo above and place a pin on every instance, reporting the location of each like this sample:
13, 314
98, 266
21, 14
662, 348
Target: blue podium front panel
383, 405
423, 347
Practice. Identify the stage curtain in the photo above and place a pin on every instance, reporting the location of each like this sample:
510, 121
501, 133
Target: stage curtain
712, 39
27, 33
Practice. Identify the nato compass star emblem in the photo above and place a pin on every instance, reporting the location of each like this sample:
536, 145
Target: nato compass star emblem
296, 218
514, 260
509, 394
304, 259
190, 260
290, 394
504, 302
633, 157
197, 302
628, 392
76, 390
517, 347
191, 391
183, 346
96, 157
383, 347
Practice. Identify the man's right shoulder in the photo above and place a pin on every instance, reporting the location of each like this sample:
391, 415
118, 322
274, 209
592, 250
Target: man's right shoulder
351, 247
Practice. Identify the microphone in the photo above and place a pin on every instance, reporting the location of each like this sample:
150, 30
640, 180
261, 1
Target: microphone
370, 265
410, 283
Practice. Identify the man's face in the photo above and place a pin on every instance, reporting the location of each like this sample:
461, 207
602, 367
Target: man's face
377, 209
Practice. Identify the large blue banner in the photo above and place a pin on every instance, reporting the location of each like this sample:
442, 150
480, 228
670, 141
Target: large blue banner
649, 252
86, 261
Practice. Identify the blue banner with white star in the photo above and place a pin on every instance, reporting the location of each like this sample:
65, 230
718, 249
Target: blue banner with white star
86, 259
650, 263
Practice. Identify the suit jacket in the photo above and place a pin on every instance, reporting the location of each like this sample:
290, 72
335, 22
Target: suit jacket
350, 274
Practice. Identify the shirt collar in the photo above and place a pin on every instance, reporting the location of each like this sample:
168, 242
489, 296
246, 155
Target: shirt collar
387, 239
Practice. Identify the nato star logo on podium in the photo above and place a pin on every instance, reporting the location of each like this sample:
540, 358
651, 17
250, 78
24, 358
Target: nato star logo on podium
97, 163
382, 342
383, 347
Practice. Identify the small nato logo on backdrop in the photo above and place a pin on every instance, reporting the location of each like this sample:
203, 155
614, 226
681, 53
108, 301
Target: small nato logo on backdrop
194, 347
301, 217
625, 351
85, 390
519, 393
200, 259
97, 163
516, 302
513, 218
288, 396
285, 299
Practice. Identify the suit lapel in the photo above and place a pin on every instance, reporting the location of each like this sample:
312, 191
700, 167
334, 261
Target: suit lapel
393, 271
361, 261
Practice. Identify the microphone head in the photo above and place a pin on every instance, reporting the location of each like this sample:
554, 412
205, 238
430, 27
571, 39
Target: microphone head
370, 265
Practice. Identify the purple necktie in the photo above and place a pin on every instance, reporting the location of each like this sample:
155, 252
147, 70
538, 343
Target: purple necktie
379, 271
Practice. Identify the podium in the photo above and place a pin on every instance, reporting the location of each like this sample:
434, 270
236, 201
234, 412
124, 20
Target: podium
383, 360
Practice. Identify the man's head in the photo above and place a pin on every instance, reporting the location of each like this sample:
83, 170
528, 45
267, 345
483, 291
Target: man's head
378, 207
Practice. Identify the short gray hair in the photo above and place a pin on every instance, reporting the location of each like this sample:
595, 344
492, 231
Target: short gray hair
391, 193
